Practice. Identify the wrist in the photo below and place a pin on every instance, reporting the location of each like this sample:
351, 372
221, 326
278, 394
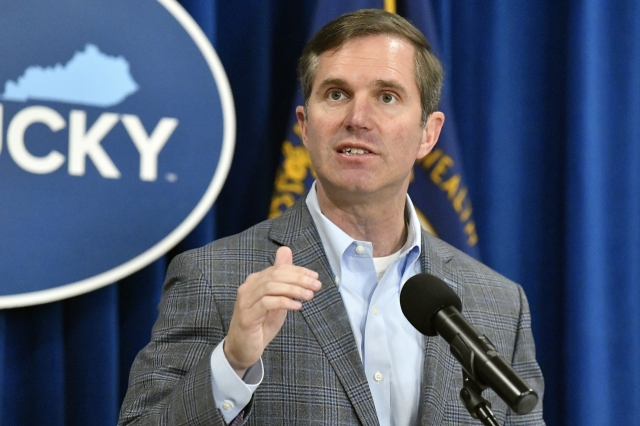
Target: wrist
237, 367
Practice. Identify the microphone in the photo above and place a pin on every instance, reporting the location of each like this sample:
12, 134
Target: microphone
432, 307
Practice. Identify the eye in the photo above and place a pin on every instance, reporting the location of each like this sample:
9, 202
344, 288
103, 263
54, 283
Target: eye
388, 98
336, 95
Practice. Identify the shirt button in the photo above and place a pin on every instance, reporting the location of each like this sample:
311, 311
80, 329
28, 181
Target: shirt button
227, 405
359, 249
336, 280
378, 376
375, 310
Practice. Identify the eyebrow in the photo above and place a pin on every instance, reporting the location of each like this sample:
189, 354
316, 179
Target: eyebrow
388, 84
333, 82
381, 84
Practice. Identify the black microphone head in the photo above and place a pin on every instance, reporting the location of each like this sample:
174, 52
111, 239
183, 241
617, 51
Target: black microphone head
422, 296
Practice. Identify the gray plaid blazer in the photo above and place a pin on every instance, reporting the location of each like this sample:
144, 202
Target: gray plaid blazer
313, 373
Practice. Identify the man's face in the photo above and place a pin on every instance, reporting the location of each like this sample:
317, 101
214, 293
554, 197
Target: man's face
363, 128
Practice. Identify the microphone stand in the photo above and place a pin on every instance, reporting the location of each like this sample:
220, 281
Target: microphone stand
476, 405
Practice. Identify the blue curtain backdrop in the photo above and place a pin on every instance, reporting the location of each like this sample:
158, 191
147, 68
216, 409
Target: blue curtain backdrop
547, 101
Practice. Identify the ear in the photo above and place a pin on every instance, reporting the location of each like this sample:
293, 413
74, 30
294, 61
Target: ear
430, 133
302, 122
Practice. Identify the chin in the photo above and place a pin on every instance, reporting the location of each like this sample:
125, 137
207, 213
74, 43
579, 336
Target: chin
354, 187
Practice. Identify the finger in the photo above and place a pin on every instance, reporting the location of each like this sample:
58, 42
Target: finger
289, 274
248, 298
284, 256
294, 275
273, 303
293, 291
254, 317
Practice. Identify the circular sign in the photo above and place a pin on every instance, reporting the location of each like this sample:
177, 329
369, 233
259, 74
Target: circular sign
117, 129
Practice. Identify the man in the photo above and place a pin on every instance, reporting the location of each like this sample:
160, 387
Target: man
297, 320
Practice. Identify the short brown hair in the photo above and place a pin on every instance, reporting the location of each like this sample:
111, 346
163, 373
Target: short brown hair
367, 22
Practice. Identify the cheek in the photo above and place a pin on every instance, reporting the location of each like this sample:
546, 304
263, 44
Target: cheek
319, 137
315, 149
406, 145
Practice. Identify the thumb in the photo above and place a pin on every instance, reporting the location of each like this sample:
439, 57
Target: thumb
284, 256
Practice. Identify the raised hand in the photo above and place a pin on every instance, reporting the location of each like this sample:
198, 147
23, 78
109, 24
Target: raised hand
261, 307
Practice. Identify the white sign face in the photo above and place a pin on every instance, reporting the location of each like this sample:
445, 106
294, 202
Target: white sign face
117, 129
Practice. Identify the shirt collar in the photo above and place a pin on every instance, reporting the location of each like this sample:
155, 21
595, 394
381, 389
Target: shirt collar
336, 241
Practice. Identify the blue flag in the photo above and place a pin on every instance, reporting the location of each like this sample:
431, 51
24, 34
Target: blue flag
438, 188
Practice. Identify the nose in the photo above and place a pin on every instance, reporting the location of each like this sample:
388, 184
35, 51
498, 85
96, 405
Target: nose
359, 114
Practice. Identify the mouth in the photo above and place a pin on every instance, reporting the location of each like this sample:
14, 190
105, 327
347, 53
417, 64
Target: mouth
354, 151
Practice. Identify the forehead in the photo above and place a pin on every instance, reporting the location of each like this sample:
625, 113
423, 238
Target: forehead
378, 57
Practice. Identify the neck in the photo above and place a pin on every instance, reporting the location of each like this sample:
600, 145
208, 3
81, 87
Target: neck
382, 225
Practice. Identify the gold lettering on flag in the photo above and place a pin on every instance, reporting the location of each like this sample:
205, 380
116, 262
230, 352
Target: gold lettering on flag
439, 165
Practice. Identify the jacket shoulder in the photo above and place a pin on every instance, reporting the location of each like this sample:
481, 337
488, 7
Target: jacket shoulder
470, 272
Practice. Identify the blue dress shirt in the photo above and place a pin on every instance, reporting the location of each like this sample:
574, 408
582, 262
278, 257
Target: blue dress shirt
390, 347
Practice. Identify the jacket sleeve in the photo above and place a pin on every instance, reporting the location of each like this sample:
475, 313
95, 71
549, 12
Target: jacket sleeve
170, 380
524, 362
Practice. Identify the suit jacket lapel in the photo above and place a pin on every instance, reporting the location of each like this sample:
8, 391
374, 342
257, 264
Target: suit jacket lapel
325, 313
438, 375
327, 317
